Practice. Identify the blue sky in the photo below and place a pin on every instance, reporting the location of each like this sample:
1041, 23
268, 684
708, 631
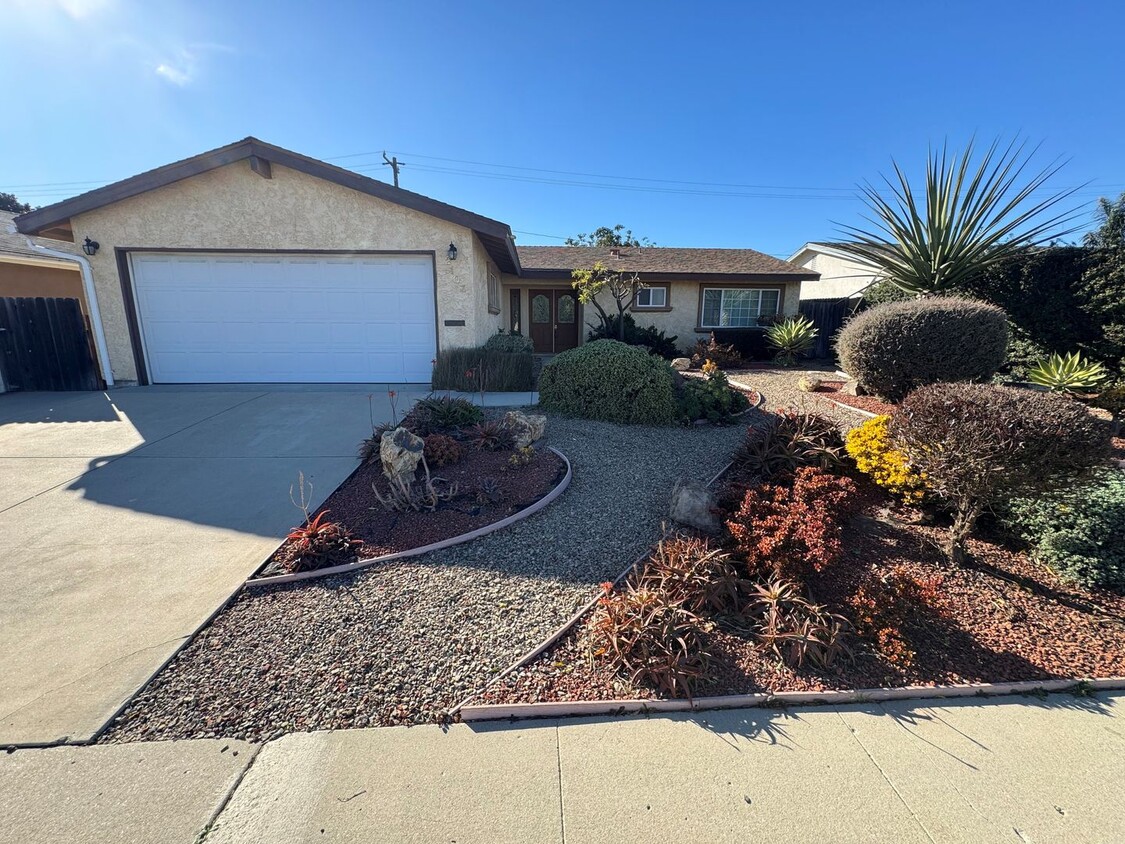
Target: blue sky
706, 124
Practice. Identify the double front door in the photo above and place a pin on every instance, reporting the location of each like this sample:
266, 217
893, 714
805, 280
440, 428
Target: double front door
553, 323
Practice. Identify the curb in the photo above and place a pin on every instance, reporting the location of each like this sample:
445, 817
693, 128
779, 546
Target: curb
460, 539
866, 413
577, 708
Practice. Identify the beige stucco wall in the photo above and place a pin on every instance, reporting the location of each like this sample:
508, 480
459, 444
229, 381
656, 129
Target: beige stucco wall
58, 280
839, 277
683, 296
232, 207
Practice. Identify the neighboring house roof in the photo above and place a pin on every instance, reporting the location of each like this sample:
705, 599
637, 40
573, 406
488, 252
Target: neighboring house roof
547, 261
496, 236
826, 248
13, 245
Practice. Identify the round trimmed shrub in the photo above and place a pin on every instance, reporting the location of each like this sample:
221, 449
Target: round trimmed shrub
611, 381
512, 343
899, 346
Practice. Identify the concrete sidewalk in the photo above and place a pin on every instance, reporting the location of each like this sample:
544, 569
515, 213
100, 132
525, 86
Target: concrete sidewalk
1013, 769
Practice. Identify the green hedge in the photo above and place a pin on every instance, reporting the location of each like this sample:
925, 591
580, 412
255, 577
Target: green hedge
467, 369
1079, 533
894, 348
511, 343
611, 381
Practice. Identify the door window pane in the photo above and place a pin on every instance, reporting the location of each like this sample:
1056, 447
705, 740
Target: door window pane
566, 308
540, 308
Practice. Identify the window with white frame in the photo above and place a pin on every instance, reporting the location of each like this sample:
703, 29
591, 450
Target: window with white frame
652, 297
737, 307
493, 291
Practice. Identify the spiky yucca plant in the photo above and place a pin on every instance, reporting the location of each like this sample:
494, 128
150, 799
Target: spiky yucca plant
1067, 373
969, 218
791, 338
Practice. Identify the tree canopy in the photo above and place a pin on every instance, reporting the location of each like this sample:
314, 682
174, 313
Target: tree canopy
10, 202
606, 236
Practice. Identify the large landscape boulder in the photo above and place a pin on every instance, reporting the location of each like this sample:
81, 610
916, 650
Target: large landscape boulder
528, 427
400, 452
681, 364
693, 505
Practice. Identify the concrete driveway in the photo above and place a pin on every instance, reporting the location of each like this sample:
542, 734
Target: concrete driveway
127, 518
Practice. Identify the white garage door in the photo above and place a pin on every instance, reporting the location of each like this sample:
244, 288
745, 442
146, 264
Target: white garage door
224, 318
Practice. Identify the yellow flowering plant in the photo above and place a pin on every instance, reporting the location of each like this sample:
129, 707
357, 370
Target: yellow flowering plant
869, 446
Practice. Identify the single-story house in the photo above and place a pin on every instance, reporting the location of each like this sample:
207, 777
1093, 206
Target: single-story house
251, 263
842, 276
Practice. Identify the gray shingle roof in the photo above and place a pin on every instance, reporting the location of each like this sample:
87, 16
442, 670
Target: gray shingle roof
15, 244
662, 260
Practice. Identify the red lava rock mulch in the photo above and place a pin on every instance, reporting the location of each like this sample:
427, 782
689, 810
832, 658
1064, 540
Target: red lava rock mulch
1006, 619
384, 532
868, 403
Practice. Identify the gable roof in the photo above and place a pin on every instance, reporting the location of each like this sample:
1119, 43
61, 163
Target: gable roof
15, 245
825, 247
496, 236
547, 261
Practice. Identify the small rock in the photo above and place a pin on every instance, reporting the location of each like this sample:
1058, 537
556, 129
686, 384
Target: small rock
853, 388
809, 384
400, 452
528, 427
681, 364
694, 505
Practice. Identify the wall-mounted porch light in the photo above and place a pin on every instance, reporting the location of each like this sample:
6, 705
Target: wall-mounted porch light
90, 247
451, 252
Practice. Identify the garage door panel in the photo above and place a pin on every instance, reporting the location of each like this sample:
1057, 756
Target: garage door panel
236, 318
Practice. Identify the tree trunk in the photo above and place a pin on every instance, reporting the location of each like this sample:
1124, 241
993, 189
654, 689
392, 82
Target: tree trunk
620, 322
963, 523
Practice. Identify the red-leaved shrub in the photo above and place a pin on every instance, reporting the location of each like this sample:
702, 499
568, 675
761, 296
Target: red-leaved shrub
785, 531
882, 605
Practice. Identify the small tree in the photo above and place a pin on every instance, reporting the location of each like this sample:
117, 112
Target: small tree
621, 287
977, 445
605, 236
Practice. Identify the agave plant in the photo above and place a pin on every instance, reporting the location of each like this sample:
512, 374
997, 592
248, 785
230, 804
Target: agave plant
791, 338
972, 218
1067, 373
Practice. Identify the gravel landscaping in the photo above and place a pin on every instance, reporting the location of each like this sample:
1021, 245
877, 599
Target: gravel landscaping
404, 642
779, 386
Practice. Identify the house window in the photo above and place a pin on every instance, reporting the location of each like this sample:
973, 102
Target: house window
493, 291
737, 307
652, 297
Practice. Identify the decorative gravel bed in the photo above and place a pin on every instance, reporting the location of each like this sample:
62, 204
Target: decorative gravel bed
1006, 619
404, 642
779, 386
386, 532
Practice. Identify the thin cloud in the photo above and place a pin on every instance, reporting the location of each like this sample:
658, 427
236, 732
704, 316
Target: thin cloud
81, 9
174, 74
184, 68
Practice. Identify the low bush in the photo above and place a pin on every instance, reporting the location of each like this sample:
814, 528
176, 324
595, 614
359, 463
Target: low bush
1112, 400
1067, 373
723, 355
475, 368
319, 543
652, 637
610, 381
650, 336
701, 578
884, 603
869, 445
794, 629
509, 343
791, 338
711, 398
978, 445
894, 348
786, 531
441, 414
789, 440
1077, 532
440, 450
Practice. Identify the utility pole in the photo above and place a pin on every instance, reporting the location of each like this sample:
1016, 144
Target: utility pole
394, 164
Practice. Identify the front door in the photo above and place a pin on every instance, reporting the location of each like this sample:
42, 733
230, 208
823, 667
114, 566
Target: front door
554, 322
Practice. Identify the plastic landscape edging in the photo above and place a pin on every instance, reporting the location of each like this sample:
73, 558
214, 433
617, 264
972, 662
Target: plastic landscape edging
577, 708
531, 509
866, 413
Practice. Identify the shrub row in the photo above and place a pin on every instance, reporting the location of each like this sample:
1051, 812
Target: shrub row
468, 369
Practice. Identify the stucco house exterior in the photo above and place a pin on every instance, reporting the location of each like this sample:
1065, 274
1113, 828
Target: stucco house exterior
842, 276
252, 263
